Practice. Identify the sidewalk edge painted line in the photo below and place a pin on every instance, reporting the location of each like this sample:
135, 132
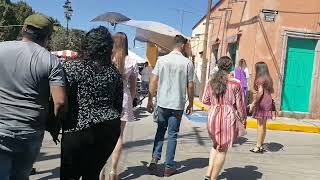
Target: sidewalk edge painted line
252, 123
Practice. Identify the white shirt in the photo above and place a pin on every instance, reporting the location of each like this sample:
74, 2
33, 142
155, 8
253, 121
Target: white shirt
174, 72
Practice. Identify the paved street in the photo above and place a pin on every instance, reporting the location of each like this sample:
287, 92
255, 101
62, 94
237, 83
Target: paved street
290, 156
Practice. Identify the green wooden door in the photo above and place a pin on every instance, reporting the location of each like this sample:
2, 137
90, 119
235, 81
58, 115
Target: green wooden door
298, 75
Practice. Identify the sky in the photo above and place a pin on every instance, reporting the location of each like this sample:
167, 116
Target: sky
165, 11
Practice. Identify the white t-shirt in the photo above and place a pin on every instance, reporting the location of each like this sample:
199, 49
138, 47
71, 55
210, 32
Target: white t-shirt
146, 73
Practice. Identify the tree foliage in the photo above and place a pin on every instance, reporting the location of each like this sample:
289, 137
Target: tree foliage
61, 41
8, 16
16, 13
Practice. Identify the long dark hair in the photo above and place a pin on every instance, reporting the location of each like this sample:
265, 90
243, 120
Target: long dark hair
97, 46
120, 50
220, 79
263, 77
242, 64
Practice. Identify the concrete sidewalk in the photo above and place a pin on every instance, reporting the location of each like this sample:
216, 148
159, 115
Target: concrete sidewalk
280, 123
290, 156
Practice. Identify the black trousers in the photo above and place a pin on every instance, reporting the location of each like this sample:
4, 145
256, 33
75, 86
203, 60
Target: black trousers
84, 153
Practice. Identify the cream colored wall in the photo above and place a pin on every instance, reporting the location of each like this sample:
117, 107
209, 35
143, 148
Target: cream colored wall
197, 47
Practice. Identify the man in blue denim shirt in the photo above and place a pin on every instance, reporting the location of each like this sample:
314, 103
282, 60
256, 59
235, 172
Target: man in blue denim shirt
172, 78
29, 73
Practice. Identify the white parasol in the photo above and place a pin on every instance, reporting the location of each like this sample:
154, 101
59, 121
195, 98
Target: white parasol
150, 31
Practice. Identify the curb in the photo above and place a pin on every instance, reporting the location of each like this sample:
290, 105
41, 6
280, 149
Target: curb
273, 125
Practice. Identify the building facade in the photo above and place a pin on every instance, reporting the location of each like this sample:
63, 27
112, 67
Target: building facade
283, 33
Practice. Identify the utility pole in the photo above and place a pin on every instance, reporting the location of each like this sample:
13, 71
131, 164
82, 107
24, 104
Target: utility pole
204, 55
182, 12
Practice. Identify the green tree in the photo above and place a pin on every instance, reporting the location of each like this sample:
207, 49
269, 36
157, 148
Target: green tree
7, 17
60, 41
16, 13
23, 10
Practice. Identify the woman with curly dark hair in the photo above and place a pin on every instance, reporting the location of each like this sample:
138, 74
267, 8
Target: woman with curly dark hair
95, 90
227, 114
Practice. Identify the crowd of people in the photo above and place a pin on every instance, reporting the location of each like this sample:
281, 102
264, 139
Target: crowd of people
93, 99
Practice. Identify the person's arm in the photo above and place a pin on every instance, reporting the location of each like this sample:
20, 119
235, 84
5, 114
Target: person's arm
206, 98
240, 105
257, 97
59, 100
153, 86
57, 84
246, 70
190, 97
190, 87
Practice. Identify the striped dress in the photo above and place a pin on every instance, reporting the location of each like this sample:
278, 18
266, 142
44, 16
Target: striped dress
225, 114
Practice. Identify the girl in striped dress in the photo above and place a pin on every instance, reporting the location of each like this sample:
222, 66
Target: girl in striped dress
227, 114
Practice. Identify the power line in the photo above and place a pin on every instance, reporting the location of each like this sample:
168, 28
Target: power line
182, 12
186, 3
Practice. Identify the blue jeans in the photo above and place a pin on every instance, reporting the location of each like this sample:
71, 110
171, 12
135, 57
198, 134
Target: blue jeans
167, 119
17, 155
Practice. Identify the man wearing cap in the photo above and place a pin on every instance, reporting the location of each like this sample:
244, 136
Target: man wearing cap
29, 73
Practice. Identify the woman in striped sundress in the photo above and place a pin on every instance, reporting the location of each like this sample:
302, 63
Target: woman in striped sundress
227, 114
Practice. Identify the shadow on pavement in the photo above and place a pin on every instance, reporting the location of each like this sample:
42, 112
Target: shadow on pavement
274, 147
237, 173
181, 139
200, 140
140, 113
136, 172
44, 157
193, 163
241, 140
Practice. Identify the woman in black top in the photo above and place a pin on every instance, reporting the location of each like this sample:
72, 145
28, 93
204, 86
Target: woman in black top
95, 93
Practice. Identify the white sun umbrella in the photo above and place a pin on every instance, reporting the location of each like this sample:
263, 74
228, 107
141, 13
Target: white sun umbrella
150, 31
139, 59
